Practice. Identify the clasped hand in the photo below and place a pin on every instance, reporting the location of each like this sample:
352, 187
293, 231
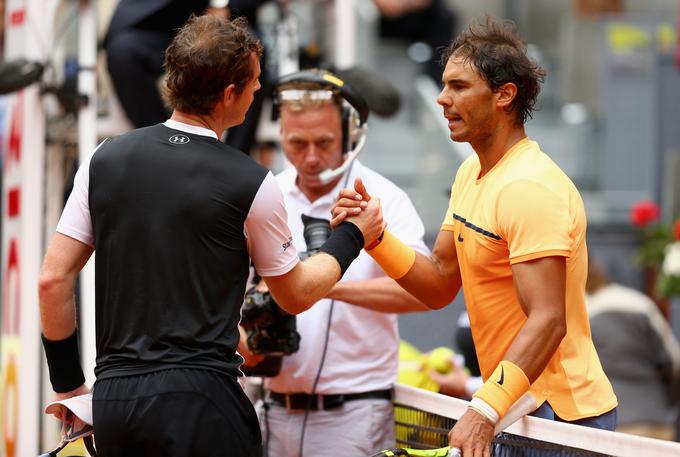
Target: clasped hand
358, 207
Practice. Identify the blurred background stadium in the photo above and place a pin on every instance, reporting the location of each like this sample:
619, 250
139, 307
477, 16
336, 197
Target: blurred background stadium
609, 115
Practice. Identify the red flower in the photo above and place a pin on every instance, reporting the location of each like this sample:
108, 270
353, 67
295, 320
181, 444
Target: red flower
676, 229
644, 212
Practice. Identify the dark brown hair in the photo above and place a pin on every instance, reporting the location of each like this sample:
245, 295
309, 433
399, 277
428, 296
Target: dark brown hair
500, 56
206, 55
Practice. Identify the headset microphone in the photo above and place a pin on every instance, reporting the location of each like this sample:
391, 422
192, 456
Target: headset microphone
354, 110
329, 174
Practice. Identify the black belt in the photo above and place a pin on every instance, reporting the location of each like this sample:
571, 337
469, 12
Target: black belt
301, 401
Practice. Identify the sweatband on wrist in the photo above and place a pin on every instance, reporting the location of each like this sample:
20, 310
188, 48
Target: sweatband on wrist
345, 244
480, 406
63, 361
393, 256
506, 384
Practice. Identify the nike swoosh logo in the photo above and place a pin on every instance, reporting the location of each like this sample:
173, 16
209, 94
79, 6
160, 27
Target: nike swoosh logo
500, 381
460, 238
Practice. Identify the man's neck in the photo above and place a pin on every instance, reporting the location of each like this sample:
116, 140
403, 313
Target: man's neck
205, 121
315, 193
492, 148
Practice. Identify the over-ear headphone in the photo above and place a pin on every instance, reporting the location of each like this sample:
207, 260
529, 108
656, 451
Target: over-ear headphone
354, 108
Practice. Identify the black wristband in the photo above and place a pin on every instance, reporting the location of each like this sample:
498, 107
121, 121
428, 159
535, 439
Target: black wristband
63, 361
345, 244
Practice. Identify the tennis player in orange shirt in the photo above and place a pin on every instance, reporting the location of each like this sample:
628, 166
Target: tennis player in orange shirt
514, 239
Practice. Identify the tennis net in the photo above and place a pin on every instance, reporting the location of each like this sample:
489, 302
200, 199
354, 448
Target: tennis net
423, 420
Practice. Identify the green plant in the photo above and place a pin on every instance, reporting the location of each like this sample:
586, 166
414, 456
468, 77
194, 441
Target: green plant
660, 246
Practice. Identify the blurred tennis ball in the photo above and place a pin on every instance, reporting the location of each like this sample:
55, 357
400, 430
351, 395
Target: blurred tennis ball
441, 359
413, 368
417, 379
407, 351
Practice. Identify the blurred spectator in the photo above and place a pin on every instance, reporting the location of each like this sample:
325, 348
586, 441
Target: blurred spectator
139, 33
639, 354
465, 379
429, 21
595, 8
466, 344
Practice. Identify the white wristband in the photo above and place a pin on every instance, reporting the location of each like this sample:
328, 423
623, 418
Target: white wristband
480, 406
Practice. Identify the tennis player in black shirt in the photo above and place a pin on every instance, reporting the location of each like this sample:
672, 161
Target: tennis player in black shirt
175, 217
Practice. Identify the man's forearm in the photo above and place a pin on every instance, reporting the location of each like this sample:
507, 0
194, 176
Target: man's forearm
64, 259
429, 284
433, 280
524, 361
307, 283
536, 343
377, 294
57, 307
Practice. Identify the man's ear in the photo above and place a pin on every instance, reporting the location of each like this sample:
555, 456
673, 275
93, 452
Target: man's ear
229, 94
505, 95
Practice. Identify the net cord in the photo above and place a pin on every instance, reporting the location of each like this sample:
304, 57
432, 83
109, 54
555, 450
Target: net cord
575, 436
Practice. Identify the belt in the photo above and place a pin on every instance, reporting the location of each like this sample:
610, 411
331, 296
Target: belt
301, 402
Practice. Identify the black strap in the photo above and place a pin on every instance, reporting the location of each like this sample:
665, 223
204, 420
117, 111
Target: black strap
345, 244
63, 361
302, 401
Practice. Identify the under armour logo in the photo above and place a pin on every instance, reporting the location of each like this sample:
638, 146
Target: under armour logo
179, 139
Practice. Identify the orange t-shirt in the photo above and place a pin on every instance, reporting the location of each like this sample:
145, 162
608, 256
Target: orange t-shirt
526, 208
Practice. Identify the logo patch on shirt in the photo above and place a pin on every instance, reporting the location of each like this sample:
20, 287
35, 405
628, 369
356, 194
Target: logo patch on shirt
475, 228
460, 237
179, 139
287, 244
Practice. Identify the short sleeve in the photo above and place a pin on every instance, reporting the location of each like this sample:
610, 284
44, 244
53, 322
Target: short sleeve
75, 221
448, 217
462, 175
534, 221
270, 243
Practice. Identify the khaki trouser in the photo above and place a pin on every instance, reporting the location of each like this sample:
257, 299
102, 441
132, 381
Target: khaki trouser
358, 427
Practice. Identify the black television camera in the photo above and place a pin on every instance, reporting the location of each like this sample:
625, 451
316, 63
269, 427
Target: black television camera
272, 332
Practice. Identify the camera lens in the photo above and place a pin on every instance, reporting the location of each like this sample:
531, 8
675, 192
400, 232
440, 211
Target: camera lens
316, 232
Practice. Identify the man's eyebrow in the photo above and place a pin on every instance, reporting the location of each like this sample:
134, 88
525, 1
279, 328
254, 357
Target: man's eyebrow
455, 81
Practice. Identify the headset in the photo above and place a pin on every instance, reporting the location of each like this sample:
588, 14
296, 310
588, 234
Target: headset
354, 110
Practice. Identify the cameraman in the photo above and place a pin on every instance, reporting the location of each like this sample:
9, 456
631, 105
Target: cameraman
340, 381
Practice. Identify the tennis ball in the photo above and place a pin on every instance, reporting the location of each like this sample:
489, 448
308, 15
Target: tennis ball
441, 359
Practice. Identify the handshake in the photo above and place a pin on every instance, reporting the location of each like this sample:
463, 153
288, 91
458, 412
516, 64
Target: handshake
358, 207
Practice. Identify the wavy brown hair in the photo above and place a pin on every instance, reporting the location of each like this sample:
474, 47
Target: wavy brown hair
500, 56
206, 55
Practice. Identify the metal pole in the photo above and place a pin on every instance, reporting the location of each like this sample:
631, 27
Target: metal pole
87, 141
345, 33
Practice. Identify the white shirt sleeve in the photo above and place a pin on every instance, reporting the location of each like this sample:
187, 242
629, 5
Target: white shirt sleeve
75, 220
270, 243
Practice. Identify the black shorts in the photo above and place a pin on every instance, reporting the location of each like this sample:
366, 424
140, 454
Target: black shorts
176, 412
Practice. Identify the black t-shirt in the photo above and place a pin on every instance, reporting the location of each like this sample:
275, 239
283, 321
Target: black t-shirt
168, 211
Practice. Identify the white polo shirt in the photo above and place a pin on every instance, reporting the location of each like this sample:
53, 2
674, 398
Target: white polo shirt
363, 345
